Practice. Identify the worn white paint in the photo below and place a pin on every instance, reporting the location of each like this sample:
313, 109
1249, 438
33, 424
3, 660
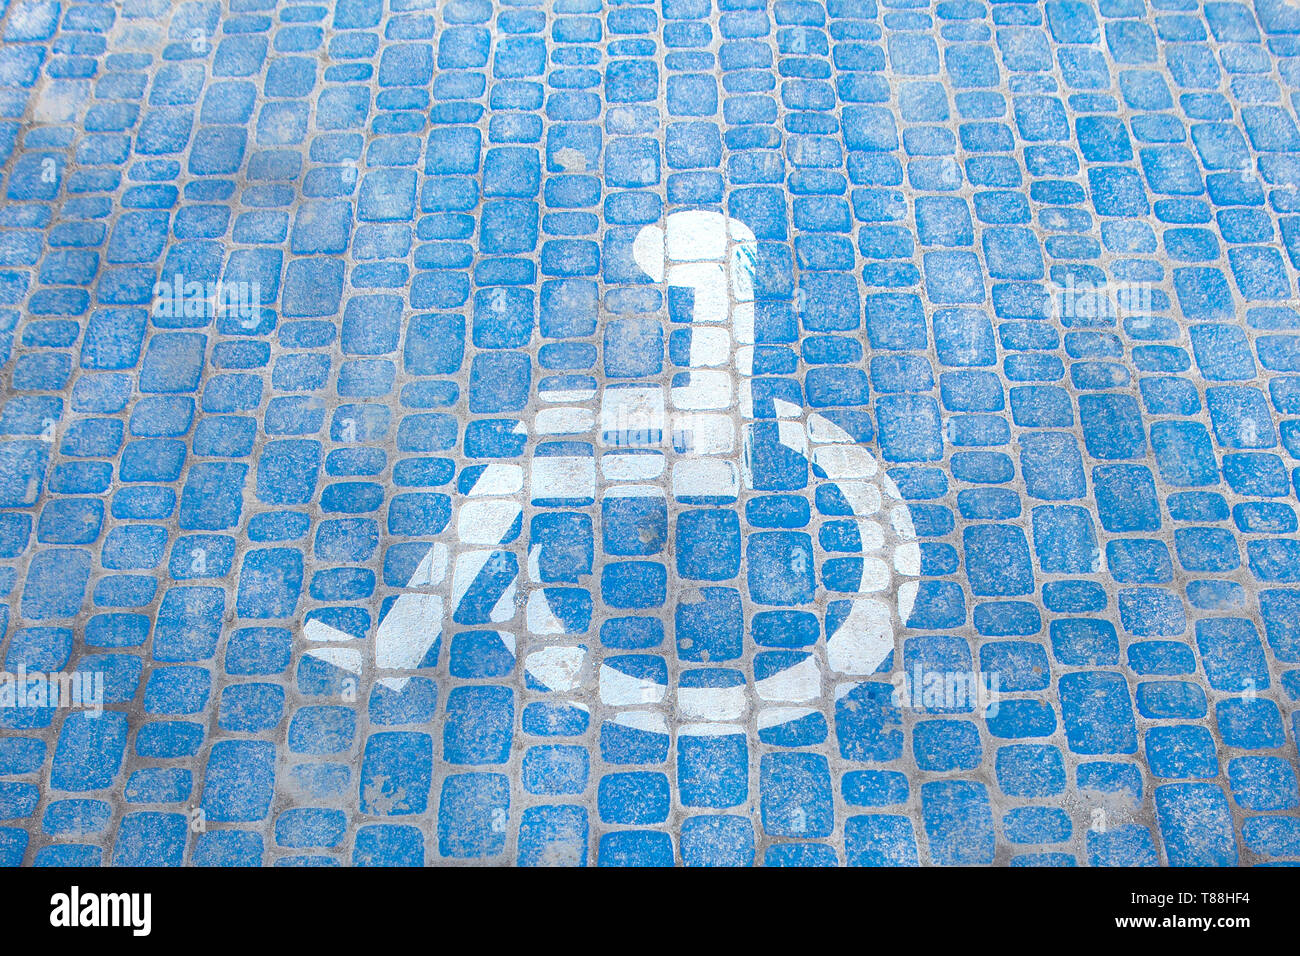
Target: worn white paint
637, 424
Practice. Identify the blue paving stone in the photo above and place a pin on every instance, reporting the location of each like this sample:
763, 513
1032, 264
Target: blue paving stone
321, 730
800, 855
780, 568
1126, 498
1232, 654
188, 625
556, 769
1170, 699
958, 822
1250, 724
151, 839
478, 726
947, 745
909, 428
239, 781
796, 795
472, 813
711, 629
1270, 837
633, 798
635, 848
717, 841
997, 560
1027, 770
1037, 825
396, 773
712, 771
1051, 465
868, 725
89, 752
228, 848
258, 650
413, 703
1262, 783
1212, 843
1097, 713
1124, 845
553, 836
1181, 751
880, 840
56, 584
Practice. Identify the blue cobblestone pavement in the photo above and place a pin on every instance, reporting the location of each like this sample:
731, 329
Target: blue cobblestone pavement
711, 432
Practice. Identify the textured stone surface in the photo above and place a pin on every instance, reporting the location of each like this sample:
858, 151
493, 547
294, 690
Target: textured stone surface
699, 431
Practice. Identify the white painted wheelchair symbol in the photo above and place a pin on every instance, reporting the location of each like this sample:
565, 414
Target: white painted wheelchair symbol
703, 414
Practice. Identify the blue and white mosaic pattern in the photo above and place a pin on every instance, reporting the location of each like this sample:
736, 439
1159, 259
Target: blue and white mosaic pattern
713, 432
